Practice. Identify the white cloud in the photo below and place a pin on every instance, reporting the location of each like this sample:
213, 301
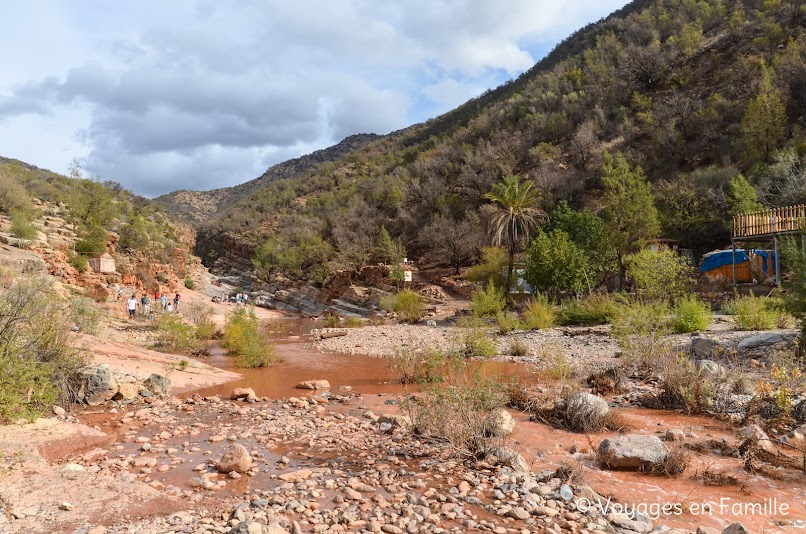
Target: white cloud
209, 92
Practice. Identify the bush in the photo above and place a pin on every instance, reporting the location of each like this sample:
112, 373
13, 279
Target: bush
690, 315
518, 348
658, 275
595, 309
507, 322
487, 301
173, 334
21, 226
456, 409
39, 361
492, 267
538, 314
555, 263
189, 283
477, 344
202, 318
244, 339
408, 305
78, 261
331, 320
754, 313
420, 366
353, 322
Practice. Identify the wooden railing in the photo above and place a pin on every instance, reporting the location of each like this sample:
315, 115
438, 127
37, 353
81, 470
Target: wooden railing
767, 222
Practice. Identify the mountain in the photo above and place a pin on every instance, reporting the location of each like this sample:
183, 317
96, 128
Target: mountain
197, 207
695, 92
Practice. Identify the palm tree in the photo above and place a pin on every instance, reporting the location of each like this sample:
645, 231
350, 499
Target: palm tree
516, 215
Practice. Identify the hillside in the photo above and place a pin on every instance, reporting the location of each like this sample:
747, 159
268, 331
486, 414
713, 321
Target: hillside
197, 207
694, 92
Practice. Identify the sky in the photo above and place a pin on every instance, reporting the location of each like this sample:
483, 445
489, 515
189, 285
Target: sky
202, 94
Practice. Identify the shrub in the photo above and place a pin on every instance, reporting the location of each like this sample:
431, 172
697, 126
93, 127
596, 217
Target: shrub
518, 348
754, 313
492, 267
559, 368
555, 263
244, 339
189, 283
507, 322
173, 334
183, 365
202, 318
658, 275
408, 305
39, 361
331, 320
21, 226
487, 301
473, 341
419, 366
690, 315
538, 314
456, 409
78, 261
353, 322
83, 315
595, 309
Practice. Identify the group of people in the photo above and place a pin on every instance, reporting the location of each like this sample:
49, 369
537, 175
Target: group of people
240, 299
146, 305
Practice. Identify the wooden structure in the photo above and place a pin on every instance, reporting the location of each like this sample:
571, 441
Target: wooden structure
768, 225
105, 264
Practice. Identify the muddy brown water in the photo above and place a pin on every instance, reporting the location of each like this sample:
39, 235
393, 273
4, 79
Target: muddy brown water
761, 503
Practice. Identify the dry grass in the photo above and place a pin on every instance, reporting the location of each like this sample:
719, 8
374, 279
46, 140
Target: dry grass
710, 477
675, 463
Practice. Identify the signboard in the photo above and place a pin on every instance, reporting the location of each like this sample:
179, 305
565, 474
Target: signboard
407, 276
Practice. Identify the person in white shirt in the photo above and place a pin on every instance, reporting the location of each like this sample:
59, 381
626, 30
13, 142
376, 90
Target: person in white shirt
131, 304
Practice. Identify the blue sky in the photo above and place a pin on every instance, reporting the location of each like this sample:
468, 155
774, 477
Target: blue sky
204, 94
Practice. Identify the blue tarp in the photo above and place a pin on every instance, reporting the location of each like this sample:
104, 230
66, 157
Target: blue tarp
725, 257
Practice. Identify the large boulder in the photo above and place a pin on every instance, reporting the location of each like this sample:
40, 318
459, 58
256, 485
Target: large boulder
158, 384
499, 424
97, 385
313, 384
711, 369
763, 341
243, 393
799, 412
585, 412
756, 435
633, 451
237, 459
703, 347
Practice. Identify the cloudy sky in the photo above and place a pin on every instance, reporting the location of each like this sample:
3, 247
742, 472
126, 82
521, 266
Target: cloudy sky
209, 93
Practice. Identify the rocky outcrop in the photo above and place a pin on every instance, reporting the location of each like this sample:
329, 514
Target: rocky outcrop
98, 385
633, 451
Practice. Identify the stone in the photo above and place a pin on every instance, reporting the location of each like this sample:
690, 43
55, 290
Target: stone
303, 474
499, 424
756, 434
243, 393
703, 347
585, 411
711, 368
431, 323
397, 421
508, 457
250, 527
237, 458
799, 412
127, 391
736, 528
707, 530
313, 384
675, 434
97, 385
58, 410
761, 341
518, 513
633, 451
158, 384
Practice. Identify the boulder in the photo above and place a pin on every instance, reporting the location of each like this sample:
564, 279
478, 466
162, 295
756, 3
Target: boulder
97, 385
313, 384
397, 421
498, 424
585, 412
158, 384
736, 528
237, 459
754, 433
633, 451
508, 457
127, 391
762, 340
711, 368
703, 347
243, 393
799, 412
675, 434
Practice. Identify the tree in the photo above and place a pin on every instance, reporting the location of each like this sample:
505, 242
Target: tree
628, 206
742, 196
384, 249
134, 235
515, 216
554, 263
589, 233
456, 243
764, 121
658, 274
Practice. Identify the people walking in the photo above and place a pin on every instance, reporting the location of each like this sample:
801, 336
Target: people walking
176, 302
131, 305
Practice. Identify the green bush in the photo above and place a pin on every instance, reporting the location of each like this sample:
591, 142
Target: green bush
538, 314
331, 320
189, 283
244, 339
690, 314
408, 305
754, 313
642, 318
420, 366
507, 322
658, 275
173, 334
39, 361
592, 310
78, 261
474, 342
21, 226
492, 267
487, 301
